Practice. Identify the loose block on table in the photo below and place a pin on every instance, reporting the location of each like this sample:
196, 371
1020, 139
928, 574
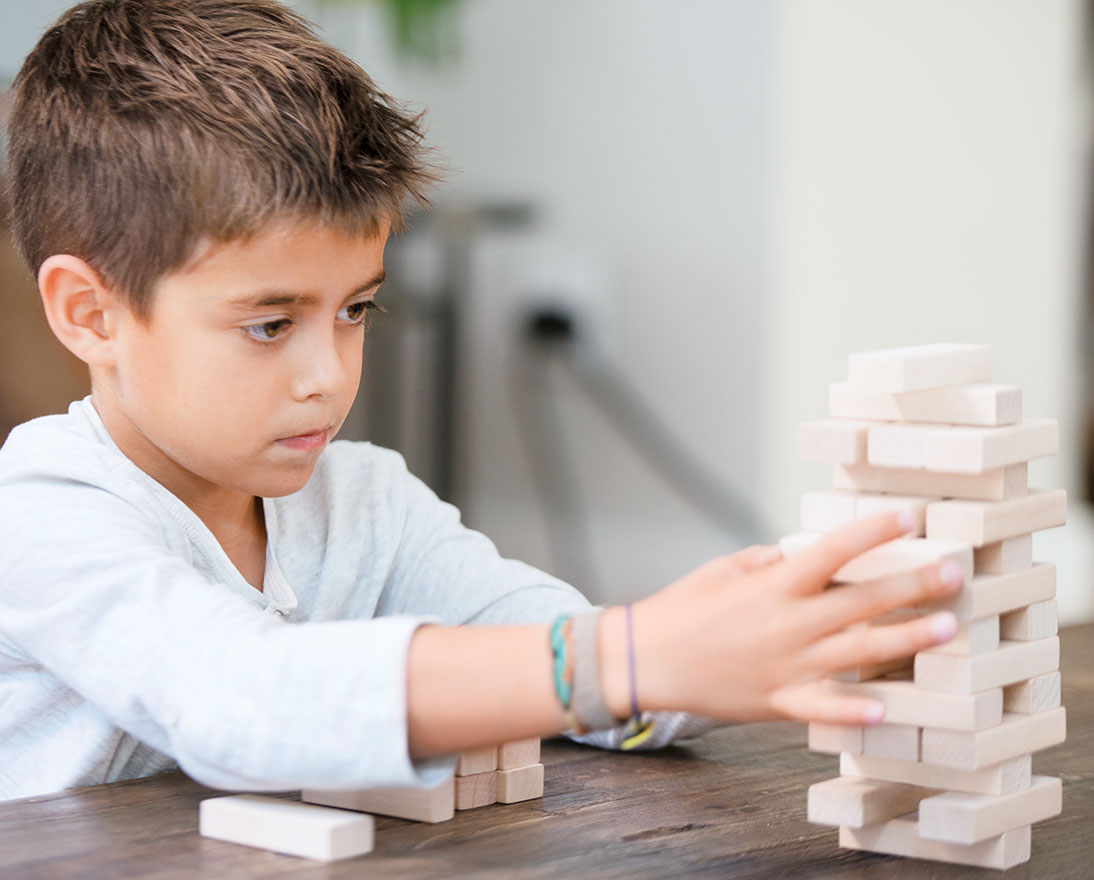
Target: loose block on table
1037, 694
984, 404
854, 801
897, 741
834, 738
475, 761
991, 594
915, 368
520, 784
1016, 735
907, 704
1014, 661
979, 636
994, 485
520, 753
835, 440
286, 826
979, 523
892, 557
435, 804
900, 837
1004, 557
1004, 778
477, 790
1036, 621
960, 817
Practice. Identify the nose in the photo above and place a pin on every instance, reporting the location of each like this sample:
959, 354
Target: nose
322, 369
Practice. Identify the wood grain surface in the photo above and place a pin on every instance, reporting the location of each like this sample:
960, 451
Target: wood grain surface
729, 805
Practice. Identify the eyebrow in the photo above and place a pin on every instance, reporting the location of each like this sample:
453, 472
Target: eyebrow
265, 298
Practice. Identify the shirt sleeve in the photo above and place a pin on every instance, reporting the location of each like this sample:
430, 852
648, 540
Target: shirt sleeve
240, 698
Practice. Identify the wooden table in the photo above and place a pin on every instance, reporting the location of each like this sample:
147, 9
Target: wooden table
731, 804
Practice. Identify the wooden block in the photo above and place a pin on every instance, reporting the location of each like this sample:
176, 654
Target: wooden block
991, 594
892, 557
907, 704
897, 741
286, 826
896, 446
417, 804
979, 636
853, 801
960, 817
983, 404
832, 739
1037, 694
993, 485
1004, 778
825, 511
916, 505
1004, 557
520, 784
957, 449
835, 440
1014, 661
874, 671
1016, 735
475, 761
521, 753
900, 837
979, 523
1036, 621
477, 790
918, 367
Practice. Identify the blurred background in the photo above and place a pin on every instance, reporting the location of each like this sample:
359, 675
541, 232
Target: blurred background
667, 224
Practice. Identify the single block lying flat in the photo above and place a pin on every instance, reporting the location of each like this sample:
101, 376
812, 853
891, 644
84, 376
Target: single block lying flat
1013, 662
1010, 776
520, 784
977, 404
854, 801
900, 837
990, 594
907, 704
1016, 735
832, 739
979, 636
475, 761
286, 826
959, 449
897, 741
520, 753
1006, 556
1036, 621
919, 367
834, 440
477, 790
993, 485
959, 817
417, 804
892, 557
979, 523
1037, 694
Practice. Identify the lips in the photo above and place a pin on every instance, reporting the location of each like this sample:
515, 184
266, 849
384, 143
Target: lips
315, 439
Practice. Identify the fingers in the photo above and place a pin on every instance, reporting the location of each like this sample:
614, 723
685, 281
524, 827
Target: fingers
838, 608
756, 557
810, 702
865, 646
811, 569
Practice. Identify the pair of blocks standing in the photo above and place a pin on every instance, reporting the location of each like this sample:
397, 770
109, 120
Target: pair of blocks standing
948, 775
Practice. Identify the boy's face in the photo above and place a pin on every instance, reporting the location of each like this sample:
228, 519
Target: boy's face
247, 364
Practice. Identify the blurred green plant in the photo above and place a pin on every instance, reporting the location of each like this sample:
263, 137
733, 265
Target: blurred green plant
421, 29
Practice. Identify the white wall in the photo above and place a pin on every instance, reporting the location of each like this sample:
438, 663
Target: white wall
930, 184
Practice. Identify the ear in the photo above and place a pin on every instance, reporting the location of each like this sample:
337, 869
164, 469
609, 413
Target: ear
80, 308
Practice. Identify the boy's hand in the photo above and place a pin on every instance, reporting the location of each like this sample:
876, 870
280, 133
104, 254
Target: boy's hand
751, 636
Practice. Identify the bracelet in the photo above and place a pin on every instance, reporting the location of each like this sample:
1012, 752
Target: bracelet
639, 727
561, 661
589, 706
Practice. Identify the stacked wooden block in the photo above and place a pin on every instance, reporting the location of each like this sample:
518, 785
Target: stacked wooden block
505, 774
947, 776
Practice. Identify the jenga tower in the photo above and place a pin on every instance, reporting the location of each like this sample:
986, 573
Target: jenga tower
947, 776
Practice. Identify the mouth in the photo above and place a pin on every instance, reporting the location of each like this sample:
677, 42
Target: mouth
307, 442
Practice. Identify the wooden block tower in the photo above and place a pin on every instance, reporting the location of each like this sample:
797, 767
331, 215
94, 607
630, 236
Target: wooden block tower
947, 776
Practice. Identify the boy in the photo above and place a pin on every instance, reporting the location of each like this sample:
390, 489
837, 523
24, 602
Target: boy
192, 572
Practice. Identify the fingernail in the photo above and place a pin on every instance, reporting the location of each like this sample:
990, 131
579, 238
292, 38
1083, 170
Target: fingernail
875, 714
951, 574
907, 520
943, 626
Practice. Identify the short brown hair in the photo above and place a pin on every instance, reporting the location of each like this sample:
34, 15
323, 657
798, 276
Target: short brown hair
140, 128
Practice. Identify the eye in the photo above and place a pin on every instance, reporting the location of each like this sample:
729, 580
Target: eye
358, 312
268, 331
